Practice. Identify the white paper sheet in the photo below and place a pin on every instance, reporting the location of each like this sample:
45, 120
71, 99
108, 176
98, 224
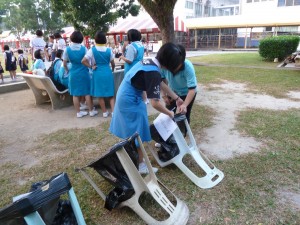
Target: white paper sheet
164, 125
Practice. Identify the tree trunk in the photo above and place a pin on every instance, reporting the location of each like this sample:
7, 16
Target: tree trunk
161, 12
166, 27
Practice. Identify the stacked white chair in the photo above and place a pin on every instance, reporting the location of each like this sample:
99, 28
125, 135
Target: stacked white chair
212, 175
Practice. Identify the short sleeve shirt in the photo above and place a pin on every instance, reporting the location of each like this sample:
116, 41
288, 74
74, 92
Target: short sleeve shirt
90, 56
75, 47
182, 81
131, 52
37, 43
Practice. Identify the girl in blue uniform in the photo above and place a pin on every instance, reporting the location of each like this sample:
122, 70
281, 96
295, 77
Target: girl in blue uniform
130, 114
102, 84
134, 51
79, 78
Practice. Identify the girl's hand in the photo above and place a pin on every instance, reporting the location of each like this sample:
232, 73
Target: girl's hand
179, 101
182, 109
171, 114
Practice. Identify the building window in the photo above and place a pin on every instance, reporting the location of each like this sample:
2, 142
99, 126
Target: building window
198, 10
249, 1
288, 3
189, 5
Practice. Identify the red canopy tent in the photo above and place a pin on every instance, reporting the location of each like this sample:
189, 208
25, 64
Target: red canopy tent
67, 32
145, 25
12, 41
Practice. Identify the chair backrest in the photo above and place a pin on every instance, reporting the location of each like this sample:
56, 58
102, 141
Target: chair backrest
41, 82
30, 203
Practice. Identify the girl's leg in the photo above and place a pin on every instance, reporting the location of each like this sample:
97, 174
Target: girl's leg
11, 75
76, 103
112, 103
1, 75
102, 105
14, 74
143, 169
89, 102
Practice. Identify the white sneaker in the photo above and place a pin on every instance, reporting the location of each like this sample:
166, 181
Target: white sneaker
81, 114
157, 145
105, 114
93, 112
83, 107
143, 169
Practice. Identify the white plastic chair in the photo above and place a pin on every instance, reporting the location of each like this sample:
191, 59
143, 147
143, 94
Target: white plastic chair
178, 214
212, 175
27, 205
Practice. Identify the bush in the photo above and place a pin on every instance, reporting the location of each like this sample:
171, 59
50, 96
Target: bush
278, 47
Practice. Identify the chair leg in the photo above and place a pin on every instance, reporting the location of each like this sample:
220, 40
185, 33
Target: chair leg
76, 207
34, 219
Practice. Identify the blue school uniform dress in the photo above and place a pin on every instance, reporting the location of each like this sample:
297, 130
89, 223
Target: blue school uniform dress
130, 112
102, 79
64, 77
79, 79
139, 56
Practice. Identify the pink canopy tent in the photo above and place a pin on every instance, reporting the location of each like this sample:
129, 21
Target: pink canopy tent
67, 32
145, 25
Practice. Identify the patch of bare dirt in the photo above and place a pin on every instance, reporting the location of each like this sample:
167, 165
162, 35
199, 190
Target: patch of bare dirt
227, 99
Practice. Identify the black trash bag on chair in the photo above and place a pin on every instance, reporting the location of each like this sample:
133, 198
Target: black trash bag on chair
56, 211
168, 149
116, 196
110, 167
64, 214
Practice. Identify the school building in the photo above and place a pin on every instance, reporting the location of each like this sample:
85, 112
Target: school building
236, 23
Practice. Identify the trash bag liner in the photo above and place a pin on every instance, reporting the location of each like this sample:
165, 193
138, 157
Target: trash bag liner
110, 167
169, 148
42, 195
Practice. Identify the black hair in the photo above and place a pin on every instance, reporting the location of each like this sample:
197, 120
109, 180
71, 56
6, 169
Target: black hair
6, 47
57, 35
170, 56
182, 49
37, 54
76, 37
51, 36
100, 37
134, 35
39, 33
59, 53
20, 51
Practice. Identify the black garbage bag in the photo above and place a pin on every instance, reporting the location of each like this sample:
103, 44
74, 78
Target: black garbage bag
169, 148
116, 196
110, 167
64, 214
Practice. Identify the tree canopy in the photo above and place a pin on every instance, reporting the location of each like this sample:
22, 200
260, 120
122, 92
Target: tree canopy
89, 16
30, 15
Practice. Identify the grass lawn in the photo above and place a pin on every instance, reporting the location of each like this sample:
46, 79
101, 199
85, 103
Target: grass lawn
249, 193
235, 59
